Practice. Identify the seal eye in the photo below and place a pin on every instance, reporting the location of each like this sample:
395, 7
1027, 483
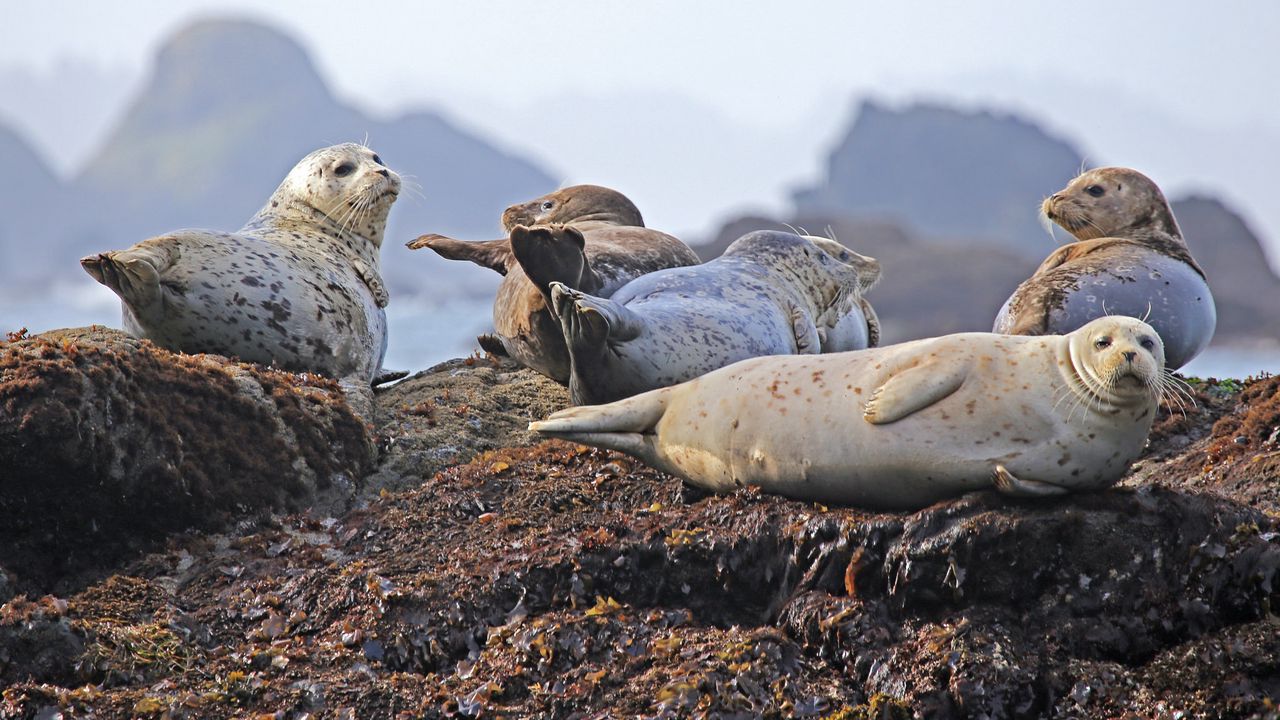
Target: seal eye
1095, 190
378, 159
344, 169
1147, 343
547, 205
1102, 342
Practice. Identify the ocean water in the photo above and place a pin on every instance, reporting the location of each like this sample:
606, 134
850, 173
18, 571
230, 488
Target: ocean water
429, 330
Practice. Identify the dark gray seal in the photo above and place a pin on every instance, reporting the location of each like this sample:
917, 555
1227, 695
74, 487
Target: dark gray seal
1129, 259
770, 293
599, 245
298, 287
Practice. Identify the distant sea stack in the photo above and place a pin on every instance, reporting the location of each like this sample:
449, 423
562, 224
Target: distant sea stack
944, 172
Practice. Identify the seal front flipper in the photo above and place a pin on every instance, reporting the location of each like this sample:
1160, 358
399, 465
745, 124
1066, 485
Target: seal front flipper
493, 254
1007, 484
371, 279
553, 253
804, 331
492, 344
913, 389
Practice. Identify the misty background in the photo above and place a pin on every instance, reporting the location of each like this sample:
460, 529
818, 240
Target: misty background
922, 134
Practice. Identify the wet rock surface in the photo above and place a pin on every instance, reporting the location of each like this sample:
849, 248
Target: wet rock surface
109, 443
553, 580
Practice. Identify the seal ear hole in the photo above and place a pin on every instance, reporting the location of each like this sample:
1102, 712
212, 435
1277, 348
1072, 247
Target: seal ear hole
1096, 190
344, 169
1102, 342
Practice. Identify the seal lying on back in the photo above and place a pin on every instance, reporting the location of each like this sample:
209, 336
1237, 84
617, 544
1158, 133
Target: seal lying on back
770, 293
298, 287
905, 425
1129, 259
605, 246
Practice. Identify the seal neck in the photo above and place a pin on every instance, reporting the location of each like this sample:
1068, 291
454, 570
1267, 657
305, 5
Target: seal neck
292, 217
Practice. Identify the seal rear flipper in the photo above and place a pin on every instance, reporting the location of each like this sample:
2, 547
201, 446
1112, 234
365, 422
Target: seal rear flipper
553, 253
493, 254
132, 274
384, 376
589, 322
1008, 484
635, 415
913, 389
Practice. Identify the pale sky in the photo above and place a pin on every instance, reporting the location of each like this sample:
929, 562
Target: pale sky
1184, 90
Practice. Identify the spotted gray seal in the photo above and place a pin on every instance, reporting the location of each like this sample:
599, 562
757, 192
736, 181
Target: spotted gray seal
905, 425
298, 286
602, 246
770, 293
1129, 259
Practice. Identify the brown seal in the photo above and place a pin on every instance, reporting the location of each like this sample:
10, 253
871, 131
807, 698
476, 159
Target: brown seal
600, 245
1129, 258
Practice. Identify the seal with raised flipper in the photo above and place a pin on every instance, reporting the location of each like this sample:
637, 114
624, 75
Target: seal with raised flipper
601, 244
1129, 258
298, 287
770, 293
901, 426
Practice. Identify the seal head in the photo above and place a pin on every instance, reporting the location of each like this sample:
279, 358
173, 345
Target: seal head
583, 205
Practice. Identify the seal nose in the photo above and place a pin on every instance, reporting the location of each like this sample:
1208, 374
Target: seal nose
1130, 355
384, 173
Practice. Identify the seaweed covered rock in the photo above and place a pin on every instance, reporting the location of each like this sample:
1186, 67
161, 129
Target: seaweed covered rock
108, 443
448, 414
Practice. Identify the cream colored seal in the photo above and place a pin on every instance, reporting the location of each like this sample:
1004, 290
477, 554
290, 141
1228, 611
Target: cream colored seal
1129, 258
905, 425
298, 287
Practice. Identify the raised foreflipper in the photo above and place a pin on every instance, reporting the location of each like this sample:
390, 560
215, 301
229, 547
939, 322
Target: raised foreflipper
493, 254
1010, 485
912, 389
553, 253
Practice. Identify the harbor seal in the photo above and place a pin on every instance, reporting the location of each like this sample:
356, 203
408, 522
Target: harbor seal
1129, 258
601, 245
298, 286
901, 426
770, 293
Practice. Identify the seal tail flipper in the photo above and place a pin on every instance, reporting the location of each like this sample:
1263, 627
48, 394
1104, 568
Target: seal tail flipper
493, 254
131, 274
554, 253
589, 322
626, 425
492, 344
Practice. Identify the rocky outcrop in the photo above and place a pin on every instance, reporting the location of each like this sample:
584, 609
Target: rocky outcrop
554, 580
942, 172
109, 444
